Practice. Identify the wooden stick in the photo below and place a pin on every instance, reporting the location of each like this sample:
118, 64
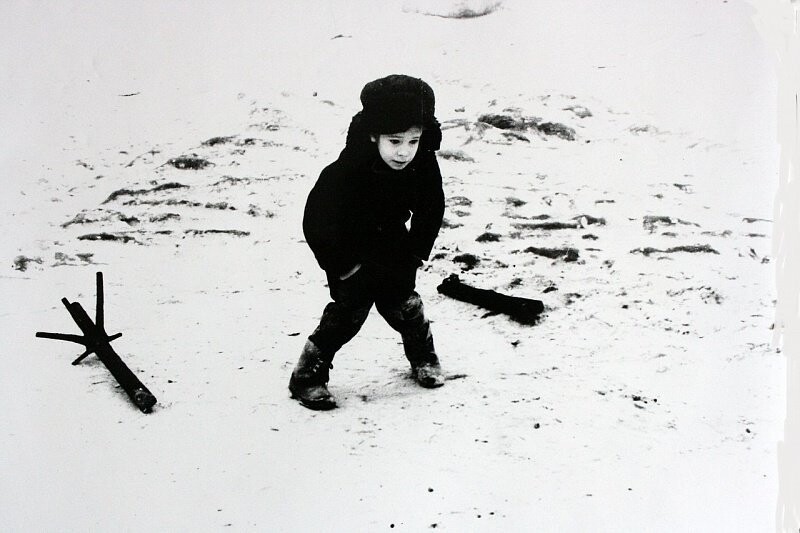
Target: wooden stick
97, 341
81, 357
135, 389
98, 309
79, 339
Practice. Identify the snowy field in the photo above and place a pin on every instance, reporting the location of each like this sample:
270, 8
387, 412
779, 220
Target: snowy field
636, 142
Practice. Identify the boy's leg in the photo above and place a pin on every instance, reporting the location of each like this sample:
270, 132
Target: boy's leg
338, 325
340, 322
344, 316
407, 317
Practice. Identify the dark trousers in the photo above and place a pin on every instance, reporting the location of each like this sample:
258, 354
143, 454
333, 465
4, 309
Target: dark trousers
392, 292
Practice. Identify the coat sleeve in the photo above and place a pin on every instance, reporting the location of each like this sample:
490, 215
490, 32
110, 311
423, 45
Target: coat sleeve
327, 226
428, 209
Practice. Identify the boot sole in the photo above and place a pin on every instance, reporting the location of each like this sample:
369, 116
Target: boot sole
323, 405
429, 385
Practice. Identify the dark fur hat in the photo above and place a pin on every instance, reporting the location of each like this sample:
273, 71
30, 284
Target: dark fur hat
391, 105
396, 103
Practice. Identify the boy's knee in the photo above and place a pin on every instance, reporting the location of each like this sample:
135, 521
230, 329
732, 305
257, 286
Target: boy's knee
411, 307
338, 316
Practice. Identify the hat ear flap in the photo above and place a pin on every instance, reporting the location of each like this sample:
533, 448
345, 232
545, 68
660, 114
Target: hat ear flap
358, 144
356, 132
431, 136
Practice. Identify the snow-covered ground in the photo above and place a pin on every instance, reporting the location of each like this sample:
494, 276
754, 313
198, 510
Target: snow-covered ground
650, 396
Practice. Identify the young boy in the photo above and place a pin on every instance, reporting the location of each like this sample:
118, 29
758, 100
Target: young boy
355, 223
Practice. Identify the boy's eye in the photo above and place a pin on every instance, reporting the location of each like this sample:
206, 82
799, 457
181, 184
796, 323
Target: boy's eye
413, 141
394, 141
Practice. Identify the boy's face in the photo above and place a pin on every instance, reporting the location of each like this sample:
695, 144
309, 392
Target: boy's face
398, 149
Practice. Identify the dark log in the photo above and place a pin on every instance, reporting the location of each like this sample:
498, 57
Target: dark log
137, 392
96, 340
522, 310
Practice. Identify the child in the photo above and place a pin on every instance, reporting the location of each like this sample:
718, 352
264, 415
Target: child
355, 223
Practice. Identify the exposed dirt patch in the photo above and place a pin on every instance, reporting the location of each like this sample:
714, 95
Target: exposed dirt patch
588, 220
462, 201
693, 249
189, 162
579, 110
488, 237
568, 254
447, 224
469, 261
213, 141
80, 218
21, 262
509, 122
455, 155
545, 225
170, 202
652, 222
234, 232
557, 129
232, 181
645, 128
513, 135
62, 259
463, 12
165, 217
724, 233
222, 206
117, 237
137, 192
707, 294
255, 211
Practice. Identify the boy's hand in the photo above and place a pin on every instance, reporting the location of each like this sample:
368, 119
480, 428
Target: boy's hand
350, 272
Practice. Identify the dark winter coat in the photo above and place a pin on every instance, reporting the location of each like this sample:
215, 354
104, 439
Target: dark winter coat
357, 211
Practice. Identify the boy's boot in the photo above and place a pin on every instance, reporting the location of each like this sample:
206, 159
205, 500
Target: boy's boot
425, 365
408, 318
309, 381
418, 346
